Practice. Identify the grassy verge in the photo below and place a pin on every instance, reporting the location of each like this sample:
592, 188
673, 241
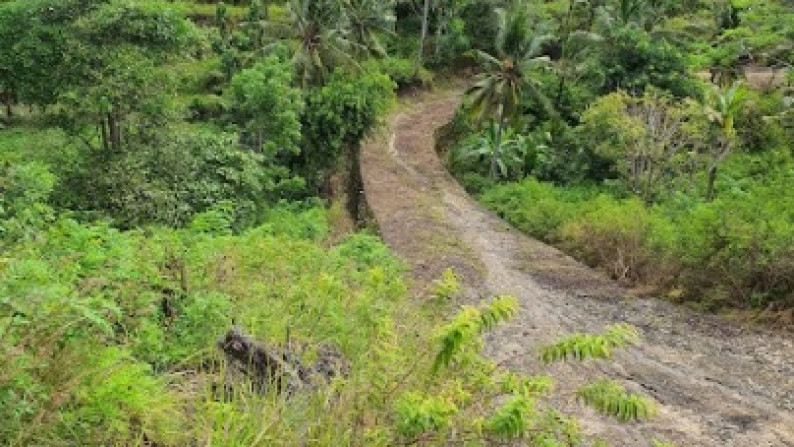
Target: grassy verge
734, 251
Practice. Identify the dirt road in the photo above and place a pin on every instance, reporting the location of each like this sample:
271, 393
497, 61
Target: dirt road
718, 383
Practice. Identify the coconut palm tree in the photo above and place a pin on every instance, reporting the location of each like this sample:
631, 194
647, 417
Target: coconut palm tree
322, 31
642, 13
502, 152
329, 33
574, 46
498, 92
723, 106
368, 20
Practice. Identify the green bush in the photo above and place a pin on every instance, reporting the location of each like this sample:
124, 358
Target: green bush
537, 208
336, 119
296, 222
476, 183
26, 188
174, 179
757, 125
734, 251
403, 72
205, 108
737, 250
630, 59
626, 238
119, 399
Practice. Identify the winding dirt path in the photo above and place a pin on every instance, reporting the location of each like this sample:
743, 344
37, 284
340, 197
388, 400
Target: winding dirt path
718, 382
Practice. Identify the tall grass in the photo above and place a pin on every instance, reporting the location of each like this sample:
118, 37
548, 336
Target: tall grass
109, 337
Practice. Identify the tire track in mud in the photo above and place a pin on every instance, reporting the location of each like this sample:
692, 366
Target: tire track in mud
718, 383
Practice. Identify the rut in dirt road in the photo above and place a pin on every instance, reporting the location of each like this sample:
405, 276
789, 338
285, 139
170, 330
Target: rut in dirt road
717, 382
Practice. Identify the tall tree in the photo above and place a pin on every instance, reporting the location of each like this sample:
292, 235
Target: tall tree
573, 45
499, 90
267, 108
423, 36
644, 138
723, 107
368, 20
322, 31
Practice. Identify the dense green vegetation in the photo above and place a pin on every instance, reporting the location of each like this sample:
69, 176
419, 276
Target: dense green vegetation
651, 139
171, 170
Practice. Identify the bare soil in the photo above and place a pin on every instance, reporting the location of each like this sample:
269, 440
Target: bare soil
718, 382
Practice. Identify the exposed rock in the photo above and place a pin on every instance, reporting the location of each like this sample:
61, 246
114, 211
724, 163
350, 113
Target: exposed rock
282, 367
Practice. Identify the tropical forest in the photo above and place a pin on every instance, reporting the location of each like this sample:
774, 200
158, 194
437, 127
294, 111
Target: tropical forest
545, 223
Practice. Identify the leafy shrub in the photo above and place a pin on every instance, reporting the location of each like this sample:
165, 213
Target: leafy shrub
621, 237
757, 125
403, 72
310, 223
732, 251
47, 314
205, 108
218, 219
188, 329
336, 118
537, 208
121, 398
172, 180
92, 317
476, 183
365, 250
25, 188
267, 108
736, 250
417, 414
631, 59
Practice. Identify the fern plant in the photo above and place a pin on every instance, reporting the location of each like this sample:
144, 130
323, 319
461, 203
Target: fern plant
446, 287
612, 399
418, 414
527, 385
585, 346
606, 396
512, 419
468, 325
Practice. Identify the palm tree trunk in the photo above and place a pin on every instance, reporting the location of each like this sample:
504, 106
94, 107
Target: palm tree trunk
440, 30
114, 127
355, 184
715, 164
498, 144
8, 97
103, 127
563, 68
423, 37
649, 184
711, 180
